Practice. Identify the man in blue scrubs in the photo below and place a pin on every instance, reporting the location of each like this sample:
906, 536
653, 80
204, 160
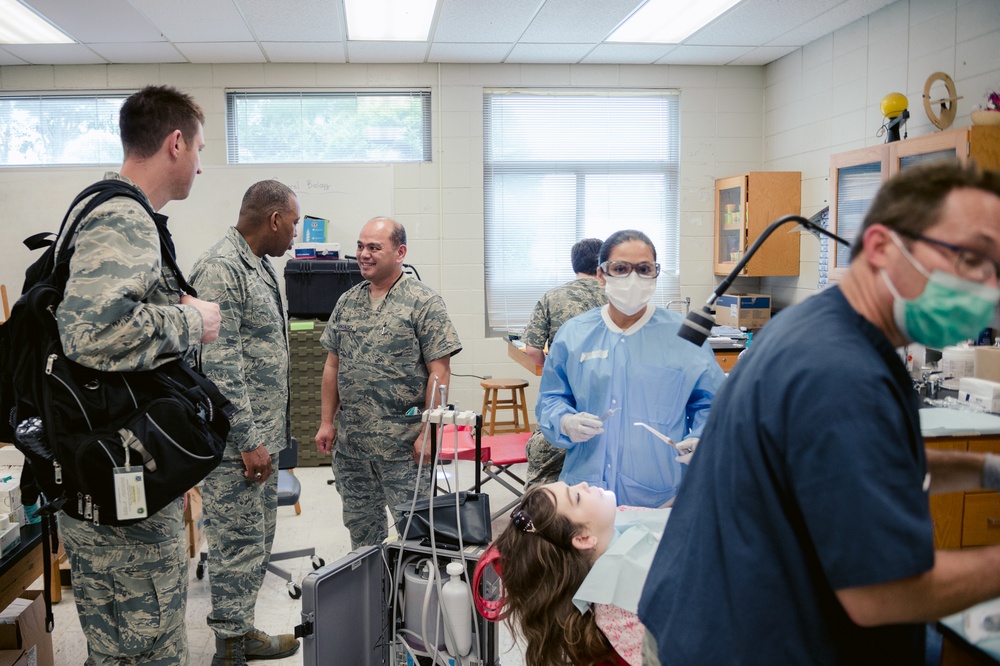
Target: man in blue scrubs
802, 533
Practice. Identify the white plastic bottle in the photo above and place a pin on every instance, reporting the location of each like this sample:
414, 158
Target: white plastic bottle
457, 604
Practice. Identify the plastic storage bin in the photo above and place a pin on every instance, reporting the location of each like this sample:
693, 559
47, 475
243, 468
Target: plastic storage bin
312, 286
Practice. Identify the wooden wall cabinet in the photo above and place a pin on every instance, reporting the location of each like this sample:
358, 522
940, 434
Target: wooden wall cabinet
856, 175
963, 520
744, 206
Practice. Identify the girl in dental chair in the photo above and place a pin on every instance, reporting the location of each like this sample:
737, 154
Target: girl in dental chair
572, 566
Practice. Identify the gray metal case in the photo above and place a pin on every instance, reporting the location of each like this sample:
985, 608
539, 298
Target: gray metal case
346, 609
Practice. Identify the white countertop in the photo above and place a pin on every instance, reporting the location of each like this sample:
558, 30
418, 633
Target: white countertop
942, 422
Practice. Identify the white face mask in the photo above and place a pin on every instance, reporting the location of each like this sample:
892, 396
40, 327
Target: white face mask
629, 294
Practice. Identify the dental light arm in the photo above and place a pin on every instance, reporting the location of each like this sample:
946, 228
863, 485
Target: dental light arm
697, 326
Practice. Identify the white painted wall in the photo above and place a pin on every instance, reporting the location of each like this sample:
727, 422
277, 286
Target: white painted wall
824, 98
790, 115
441, 203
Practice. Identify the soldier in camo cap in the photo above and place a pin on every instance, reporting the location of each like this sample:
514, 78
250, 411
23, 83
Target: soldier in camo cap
388, 338
249, 363
122, 310
556, 307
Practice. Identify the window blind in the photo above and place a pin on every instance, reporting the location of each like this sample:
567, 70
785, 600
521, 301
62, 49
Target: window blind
48, 130
560, 166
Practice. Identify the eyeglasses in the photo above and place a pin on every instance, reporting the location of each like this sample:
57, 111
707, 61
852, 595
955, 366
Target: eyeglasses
969, 264
644, 269
522, 520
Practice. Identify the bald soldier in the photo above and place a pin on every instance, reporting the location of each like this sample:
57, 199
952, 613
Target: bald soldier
249, 363
389, 338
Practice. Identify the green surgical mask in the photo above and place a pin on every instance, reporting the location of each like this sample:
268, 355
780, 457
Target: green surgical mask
949, 310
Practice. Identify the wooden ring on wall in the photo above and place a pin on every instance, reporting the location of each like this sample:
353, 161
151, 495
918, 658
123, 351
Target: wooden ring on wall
947, 104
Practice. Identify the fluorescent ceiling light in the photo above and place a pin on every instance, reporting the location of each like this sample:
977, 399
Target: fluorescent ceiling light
20, 25
669, 21
389, 20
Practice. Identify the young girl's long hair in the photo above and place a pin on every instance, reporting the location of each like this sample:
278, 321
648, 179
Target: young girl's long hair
540, 570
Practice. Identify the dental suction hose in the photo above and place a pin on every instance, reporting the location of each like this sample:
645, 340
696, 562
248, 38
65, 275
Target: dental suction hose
697, 326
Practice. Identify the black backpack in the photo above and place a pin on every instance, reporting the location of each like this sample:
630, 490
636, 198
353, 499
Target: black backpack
75, 425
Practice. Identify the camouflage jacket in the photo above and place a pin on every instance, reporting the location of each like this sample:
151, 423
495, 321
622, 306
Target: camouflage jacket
382, 364
249, 362
558, 306
121, 308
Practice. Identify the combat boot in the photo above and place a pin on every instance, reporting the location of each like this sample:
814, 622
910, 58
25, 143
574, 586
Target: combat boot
229, 652
259, 645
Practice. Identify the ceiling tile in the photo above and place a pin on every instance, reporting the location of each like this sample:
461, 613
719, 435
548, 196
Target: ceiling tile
483, 20
222, 52
472, 53
401, 52
628, 54
7, 58
806, 31
703, 55
469, 31
55, 54
327, 52
147, 52
196, 20
98, 20
762, 55
301, 21
755, 22
567, 21
548, 53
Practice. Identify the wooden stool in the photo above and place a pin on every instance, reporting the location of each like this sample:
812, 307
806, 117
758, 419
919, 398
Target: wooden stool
516, 404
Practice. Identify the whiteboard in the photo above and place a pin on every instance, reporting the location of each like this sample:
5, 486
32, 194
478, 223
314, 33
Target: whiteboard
35, 200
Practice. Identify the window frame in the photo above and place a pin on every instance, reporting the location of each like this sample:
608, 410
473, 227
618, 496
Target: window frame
499, 320
111, 127
232, 123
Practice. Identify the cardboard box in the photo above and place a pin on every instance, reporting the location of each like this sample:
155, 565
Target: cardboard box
988, 363
10, 495
194, 521
10, 536
313, 230
23, 639
749, 310
980, 392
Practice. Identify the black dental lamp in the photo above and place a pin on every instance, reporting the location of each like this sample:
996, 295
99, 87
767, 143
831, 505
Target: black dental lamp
697, 326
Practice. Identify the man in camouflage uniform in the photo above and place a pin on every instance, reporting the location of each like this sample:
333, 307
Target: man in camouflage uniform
389, 338
249, 363
556, 307
122, 310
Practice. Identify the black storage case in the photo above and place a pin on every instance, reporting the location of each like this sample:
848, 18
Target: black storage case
312, 286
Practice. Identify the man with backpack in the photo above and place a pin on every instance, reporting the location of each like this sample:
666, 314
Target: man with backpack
250, 363
122, 311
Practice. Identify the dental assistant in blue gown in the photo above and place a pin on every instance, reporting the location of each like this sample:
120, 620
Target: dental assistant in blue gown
620, 364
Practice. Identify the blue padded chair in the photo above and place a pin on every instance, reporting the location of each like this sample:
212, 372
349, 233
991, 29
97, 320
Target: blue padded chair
289, 491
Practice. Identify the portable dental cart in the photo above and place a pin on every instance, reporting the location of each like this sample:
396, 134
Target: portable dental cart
347, 610
348, 607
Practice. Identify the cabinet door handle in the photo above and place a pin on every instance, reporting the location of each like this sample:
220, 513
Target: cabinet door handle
993, 522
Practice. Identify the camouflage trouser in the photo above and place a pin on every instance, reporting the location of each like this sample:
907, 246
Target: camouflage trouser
545, 461
130, 586
367, 487
239, 527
